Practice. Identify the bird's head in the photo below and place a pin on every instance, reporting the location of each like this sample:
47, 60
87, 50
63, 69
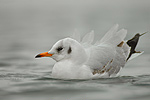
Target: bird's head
67, 48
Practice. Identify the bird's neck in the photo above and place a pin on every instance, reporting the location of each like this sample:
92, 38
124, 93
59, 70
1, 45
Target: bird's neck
79, 55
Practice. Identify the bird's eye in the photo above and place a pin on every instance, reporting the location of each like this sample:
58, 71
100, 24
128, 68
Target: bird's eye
59, 49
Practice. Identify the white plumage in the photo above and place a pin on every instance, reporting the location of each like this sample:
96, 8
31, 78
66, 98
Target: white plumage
82, 59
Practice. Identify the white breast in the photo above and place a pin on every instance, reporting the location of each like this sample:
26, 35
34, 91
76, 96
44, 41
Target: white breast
67, 70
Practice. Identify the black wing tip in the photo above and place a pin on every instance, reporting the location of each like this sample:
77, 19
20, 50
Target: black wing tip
143, 33
133, 42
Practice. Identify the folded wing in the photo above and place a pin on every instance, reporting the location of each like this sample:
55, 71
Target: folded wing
109, 54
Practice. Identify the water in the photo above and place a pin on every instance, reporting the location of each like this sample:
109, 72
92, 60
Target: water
30, 27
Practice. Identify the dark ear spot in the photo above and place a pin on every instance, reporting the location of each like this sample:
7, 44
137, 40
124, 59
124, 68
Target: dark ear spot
69, 50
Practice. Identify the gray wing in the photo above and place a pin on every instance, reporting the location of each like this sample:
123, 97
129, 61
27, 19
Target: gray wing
107, 58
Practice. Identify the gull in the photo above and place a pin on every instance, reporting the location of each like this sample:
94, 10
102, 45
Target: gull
78, 58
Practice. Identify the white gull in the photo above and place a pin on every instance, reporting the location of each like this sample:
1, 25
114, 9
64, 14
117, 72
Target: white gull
83, 59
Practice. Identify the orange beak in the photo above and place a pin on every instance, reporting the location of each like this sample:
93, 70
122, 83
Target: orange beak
44, 54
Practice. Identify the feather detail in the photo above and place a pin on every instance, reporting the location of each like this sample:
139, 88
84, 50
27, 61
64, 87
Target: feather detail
88, 38
110, 33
